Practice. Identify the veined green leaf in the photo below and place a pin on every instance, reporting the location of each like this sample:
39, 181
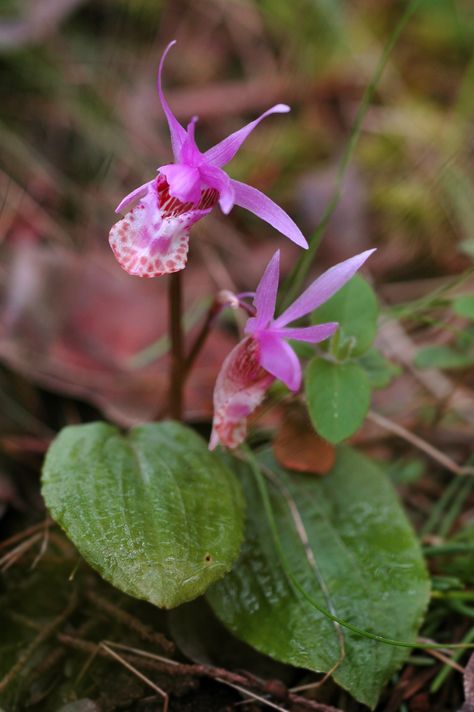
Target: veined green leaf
155, 512
347, 541
338, 397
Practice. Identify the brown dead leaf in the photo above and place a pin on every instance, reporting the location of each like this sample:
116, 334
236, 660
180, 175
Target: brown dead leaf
75, 324
298, 447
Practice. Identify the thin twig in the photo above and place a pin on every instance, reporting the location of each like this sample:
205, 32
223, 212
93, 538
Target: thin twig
171, 667
43, 547
419, 443
138, 674
15, 554
441, 656
145, 632
22, 535
233, 678
253, 695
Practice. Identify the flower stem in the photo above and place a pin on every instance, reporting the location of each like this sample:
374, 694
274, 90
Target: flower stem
175, 297
221, 300
200, 339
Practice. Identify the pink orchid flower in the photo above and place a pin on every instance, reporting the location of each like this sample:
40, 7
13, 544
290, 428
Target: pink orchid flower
152, 238
264, 354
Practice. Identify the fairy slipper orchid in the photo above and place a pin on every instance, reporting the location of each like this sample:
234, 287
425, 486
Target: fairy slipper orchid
152, 238
265, 354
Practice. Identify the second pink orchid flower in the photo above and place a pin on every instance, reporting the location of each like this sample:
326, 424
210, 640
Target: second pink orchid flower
264, 354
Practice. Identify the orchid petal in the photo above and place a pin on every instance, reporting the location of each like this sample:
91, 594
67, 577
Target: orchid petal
223, 152
310, 334
322, 288
240, 388
132, 198
220, 181
184, 182
265, 296
261, 206
190, 153
278, 358
178, 133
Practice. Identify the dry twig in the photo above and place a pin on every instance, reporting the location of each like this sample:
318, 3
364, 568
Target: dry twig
138, 674
419, 443
145, 632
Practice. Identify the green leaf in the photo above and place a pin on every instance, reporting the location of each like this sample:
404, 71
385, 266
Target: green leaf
355, 307
380, 371
442, 357
464, 306
404, 470
155, 512
362, 561
338, 397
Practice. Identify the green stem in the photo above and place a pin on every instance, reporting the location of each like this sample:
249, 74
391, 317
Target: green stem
446, 549
453, 595
201, 337
298, 275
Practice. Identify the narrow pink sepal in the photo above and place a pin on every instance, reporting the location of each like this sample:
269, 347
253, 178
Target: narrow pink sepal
263, 207
177, 132
240, 388
265, 296
225, 150
322, 289
278, 358
310, 334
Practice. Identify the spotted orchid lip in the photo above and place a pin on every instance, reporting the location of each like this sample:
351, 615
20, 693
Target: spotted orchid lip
240, 388
152, 239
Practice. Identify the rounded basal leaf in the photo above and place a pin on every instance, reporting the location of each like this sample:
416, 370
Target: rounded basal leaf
338, 398
355, 308
154, 511
347, 541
